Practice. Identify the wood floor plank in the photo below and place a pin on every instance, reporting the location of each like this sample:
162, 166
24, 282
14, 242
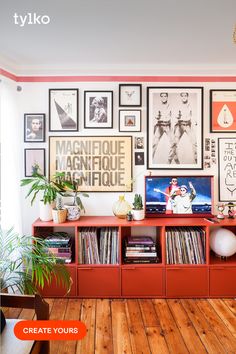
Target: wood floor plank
207, 336
226, 314
27, 314
186, 327
148, 313
138, 338
88, 316
11, 312
223, 334
57, 313
72, 313
171, 332
103, 340
231, 303
50, 302
156, 340
120, 330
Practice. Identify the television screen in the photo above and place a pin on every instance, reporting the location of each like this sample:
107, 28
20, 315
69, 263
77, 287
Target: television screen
178, 196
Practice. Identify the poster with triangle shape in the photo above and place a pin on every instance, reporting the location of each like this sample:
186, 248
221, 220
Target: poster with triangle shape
223, 111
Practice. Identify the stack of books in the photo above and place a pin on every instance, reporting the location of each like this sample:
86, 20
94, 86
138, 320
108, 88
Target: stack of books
59, 244
185, 245
140, 249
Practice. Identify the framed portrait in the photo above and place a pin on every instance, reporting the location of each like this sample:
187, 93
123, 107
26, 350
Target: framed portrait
223, 111
98, 109
130, 95
34, 161
226, 173
34, 127
100, 163
175, 129
139, 158
130, 121
63, 110
139, 142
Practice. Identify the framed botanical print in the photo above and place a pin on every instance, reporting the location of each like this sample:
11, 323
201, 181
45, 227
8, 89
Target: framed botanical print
63, 110
175, 132
130, 121
130, 95
223, 111
34, 161
226, 165
98, 109
34, 127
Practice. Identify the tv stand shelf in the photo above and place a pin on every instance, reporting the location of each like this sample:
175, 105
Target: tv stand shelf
213, 277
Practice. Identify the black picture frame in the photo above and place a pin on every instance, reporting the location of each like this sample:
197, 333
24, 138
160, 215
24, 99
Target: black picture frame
34, 127
222, 111
64, 110
37, 156
98, 109
226, 169
130, 95
171, 122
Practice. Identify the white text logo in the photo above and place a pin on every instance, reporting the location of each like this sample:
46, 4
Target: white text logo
31, 19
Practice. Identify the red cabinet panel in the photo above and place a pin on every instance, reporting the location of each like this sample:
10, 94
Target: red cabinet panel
55, 290
138, 281
192, 282
222, 281
98, 281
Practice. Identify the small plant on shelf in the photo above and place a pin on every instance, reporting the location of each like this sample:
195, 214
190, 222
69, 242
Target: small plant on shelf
59, 213
138, 211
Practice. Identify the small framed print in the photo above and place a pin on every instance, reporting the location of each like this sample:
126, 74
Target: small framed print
130, 95
63, 110
223, 111
98, 109
34, 127
139, 142
34, 161
130, 121
139, 158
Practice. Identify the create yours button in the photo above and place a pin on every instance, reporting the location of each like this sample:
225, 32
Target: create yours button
50, 330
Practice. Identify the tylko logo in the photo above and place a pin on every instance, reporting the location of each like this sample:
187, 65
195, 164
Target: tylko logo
31, 19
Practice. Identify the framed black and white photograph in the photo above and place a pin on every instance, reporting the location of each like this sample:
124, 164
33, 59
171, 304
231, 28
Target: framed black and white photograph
63, 110
34, 127
130, 121
34, 161
139, 142
226, 165
98, 109
175, 128
139, 158
130, 95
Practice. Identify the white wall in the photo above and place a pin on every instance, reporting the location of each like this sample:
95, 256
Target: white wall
34, 99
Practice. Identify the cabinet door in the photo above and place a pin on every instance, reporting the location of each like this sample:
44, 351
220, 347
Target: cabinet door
222, 281
98, 282
186, 282
141, 281
56, 290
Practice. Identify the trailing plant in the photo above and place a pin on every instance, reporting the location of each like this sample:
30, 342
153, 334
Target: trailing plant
26, 266
138, 202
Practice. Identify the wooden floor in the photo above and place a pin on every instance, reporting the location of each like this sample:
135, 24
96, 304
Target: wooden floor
146, 326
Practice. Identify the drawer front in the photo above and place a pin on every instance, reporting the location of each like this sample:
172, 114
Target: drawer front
222, 281
56, 290
186, 282
138, 281
98, 282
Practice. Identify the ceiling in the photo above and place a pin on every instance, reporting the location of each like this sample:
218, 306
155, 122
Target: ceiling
119, 35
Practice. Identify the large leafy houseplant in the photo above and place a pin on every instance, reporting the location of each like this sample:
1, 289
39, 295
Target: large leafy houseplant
26, 266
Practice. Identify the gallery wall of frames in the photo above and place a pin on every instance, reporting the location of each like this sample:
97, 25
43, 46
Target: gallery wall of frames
112, 134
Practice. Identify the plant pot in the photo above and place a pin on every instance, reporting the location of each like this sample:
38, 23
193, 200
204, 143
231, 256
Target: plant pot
138, 214
45, 211
121, 207
59, 216
73, 211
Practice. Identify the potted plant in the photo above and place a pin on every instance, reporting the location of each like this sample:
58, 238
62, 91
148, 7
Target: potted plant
26, 266
40, 184
138, 211
59, 213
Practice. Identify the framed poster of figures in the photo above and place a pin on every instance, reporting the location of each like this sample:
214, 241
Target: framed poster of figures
223, 111
227, 170
100, 163
175, 133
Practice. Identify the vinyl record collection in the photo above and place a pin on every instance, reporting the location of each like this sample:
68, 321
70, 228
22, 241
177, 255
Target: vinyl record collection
185, 245
140, 249
59, 244
98, 246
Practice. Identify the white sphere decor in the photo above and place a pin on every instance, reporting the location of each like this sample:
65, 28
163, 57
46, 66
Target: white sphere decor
223, 242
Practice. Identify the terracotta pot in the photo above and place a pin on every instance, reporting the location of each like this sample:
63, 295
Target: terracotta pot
59, 216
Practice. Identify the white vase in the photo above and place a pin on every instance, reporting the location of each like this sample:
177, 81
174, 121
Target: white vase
73, 212
45, 211
138, 214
